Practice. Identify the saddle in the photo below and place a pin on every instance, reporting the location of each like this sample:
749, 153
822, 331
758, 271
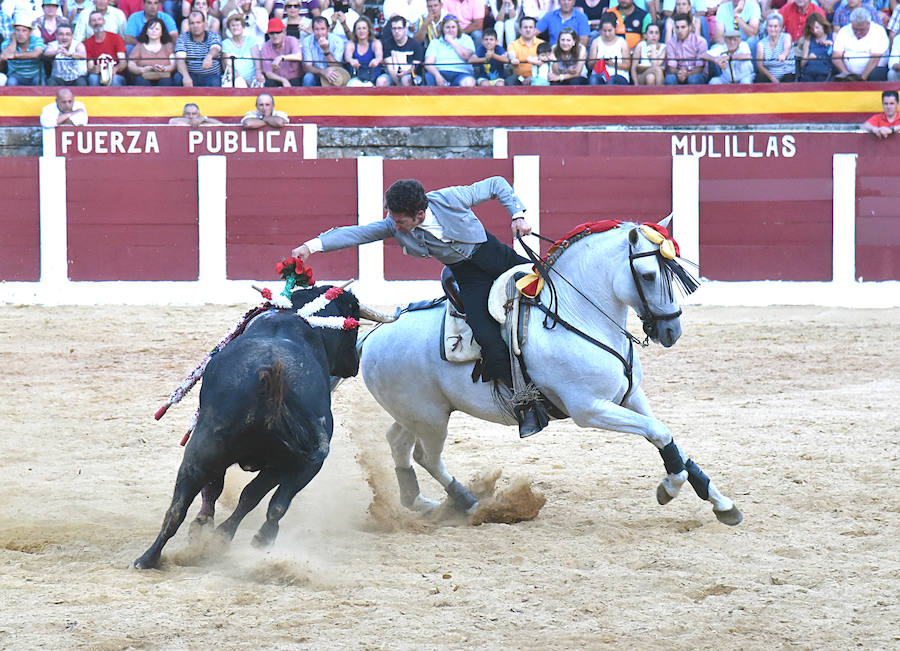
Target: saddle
457, 340
458, 343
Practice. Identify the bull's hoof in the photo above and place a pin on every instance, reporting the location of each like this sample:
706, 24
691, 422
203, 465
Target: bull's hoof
732, 517
662, 495
265, 536
198, 525
146, 562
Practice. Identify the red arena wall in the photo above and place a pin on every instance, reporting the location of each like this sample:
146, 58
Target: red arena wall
273, 206
134, 221
877, 219
765, 198
20, 242
765, 203
604, 186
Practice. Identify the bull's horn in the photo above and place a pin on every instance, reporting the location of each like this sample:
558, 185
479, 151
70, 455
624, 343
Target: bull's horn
367, 312
348, 283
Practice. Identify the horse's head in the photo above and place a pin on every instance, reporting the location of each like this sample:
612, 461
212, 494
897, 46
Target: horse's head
655, 271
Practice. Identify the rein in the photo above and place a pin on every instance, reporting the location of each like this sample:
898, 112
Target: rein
551, 313
544, 269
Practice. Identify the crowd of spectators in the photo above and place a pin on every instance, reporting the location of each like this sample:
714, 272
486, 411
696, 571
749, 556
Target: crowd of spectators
271, 43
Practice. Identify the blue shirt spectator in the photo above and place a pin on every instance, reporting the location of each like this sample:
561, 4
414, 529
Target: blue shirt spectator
137, 20
554, 21
314, 55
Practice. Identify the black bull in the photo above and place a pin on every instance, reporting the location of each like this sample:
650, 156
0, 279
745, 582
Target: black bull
265, 404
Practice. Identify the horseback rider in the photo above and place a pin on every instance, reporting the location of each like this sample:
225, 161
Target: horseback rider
441, 224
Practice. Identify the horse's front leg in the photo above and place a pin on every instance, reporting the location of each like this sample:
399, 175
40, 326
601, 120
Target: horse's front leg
637, 418
676, 460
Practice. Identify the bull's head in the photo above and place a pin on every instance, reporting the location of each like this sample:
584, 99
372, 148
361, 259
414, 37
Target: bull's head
340, 345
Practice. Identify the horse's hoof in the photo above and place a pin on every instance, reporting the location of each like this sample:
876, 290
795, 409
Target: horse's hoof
731, 517
662, 495
423, 505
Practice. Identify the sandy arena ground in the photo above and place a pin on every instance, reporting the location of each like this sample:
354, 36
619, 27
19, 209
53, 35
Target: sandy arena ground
791, 411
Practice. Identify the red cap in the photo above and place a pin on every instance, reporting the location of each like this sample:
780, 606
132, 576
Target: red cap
275, 25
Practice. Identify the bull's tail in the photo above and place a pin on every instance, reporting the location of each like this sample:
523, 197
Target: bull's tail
273, 385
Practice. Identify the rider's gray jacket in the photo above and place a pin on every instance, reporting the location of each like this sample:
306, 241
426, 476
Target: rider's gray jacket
451, 207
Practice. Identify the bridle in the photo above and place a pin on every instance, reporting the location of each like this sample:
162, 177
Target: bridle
646, 315
552, 317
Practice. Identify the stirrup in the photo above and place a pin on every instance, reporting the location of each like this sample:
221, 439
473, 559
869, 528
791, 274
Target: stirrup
532, 418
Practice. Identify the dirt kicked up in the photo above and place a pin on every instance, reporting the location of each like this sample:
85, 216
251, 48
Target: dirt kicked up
789, 410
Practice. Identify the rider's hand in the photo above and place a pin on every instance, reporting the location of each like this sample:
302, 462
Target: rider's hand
301, 252
521, 226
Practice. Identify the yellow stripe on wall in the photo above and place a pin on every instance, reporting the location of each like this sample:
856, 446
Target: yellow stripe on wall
470, 105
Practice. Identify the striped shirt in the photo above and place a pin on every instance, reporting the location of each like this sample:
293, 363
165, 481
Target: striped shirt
197, 51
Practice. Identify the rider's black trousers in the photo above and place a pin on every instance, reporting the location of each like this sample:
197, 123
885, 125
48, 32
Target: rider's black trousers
475, 277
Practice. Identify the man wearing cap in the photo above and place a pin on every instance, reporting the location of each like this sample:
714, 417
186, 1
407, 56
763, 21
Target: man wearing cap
22, 54
281, 56
113, 20
265, 115
138, 19
65, 111
197, 54
733, 59
323, 52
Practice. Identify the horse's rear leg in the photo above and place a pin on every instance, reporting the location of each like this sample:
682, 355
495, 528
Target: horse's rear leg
427, 453
402, 443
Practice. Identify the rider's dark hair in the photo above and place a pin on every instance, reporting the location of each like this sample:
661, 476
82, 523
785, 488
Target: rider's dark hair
405, 197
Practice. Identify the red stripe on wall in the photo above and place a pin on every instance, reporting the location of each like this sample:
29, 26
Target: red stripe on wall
274, 206
20, 242
436, 174
132, 222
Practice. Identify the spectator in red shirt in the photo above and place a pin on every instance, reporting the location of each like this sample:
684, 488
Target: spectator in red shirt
106, 54
795, 14
885, 124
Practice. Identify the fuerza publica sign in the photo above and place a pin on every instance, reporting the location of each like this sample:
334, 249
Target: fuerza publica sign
176, 141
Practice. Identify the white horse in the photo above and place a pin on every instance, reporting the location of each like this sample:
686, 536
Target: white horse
581, 363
